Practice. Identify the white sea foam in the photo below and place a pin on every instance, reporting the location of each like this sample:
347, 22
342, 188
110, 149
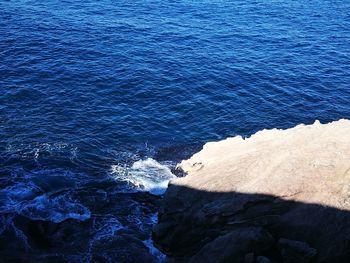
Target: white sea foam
105, 228
159, 256
55, 209
145, 175
36, 150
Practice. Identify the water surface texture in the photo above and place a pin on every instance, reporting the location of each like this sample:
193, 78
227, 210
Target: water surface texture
100, 99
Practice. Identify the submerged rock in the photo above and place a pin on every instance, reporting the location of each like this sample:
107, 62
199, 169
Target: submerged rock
292, 185
117, 231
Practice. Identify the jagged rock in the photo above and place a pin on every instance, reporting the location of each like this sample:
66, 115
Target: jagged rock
293, 183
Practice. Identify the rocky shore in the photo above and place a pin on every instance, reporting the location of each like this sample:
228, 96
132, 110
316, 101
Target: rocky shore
278, 196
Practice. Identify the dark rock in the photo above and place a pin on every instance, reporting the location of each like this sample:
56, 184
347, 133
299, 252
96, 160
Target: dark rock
183, 230
120, 248
115, 232
177, 153
296, 251
262, 259
249, 258
234, 245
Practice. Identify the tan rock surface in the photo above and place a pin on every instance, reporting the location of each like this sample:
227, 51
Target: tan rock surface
306, 163
292, 185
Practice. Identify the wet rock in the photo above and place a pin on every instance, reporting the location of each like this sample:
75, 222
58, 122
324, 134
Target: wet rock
115, 232
49, 236
120, 248
177, 153
12, 239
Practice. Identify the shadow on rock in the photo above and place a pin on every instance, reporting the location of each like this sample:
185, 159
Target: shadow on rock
198, 226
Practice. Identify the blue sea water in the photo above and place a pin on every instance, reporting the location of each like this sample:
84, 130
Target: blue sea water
99, 99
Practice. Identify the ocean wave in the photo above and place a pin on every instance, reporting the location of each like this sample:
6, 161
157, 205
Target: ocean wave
45, 195
145, 175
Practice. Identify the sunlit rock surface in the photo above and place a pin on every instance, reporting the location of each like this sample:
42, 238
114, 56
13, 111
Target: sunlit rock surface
278, 196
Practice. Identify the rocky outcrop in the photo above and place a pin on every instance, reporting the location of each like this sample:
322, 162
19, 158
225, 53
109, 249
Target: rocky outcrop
278, 196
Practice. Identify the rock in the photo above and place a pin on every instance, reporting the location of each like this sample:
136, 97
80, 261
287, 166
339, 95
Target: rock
296, 251
293, 184
121, 248
113, 233
249, 258
261, 259
235, 245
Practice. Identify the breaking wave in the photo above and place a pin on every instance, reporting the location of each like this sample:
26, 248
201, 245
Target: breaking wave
145, 175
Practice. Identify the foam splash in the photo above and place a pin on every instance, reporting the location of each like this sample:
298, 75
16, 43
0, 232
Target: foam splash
145, 175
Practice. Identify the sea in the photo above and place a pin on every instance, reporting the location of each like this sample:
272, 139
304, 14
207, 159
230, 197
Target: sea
100, 99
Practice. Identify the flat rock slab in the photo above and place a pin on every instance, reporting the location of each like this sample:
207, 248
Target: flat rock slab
294, 185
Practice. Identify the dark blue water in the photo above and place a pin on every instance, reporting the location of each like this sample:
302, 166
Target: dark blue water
90, 89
